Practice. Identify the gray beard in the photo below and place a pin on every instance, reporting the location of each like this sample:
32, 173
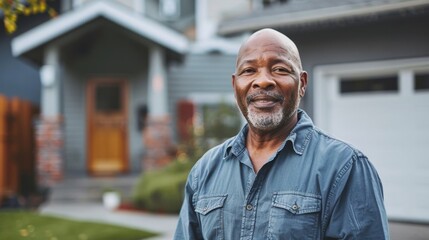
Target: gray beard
265, 121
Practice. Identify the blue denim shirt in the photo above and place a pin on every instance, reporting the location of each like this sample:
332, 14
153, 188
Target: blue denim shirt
314, 187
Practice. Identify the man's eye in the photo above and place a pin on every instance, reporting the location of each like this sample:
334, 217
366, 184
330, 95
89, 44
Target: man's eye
247, 71
281, 70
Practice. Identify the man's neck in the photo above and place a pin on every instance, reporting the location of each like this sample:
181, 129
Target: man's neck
261, 144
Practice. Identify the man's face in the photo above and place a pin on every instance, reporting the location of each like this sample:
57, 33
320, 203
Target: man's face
268, 81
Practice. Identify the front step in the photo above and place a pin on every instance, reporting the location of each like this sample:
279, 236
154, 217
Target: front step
90, 189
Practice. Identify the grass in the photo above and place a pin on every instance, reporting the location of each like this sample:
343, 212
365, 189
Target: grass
16, 225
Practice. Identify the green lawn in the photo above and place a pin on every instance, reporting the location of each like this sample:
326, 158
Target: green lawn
15, 225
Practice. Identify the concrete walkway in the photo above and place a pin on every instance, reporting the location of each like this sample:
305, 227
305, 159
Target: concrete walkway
165, 225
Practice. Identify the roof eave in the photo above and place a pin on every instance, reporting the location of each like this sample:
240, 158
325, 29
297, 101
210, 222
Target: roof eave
311, 16
146, 28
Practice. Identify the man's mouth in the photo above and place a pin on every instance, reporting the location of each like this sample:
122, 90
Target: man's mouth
264, 99
263, 102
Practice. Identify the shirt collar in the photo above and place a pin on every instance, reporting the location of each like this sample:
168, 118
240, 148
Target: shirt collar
238, 143
301, 134
299, 137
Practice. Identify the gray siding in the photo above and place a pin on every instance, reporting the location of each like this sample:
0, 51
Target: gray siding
74, 112
17, 77
199, 73
138, 96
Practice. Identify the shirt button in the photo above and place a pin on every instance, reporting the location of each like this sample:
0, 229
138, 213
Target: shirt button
249, 207
295, 207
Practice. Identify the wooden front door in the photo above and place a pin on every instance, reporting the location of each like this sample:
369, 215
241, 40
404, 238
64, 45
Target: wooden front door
107, 126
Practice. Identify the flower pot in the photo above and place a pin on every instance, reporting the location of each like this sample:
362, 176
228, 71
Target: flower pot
111, 200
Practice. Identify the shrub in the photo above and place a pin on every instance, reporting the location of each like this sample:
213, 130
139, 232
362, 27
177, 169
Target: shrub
162, 190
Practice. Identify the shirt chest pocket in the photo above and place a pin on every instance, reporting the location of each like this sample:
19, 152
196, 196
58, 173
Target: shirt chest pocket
294, 215
210, 215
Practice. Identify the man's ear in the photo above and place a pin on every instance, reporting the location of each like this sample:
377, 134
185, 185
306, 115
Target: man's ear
233, 80
303, 83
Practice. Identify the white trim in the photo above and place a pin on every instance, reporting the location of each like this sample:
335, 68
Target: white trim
139, 6
50, 95
77, 3
326, 75
169, 16
406, 83
211, 97
67, 22
224, 46
205, 29
158, 85
324, 14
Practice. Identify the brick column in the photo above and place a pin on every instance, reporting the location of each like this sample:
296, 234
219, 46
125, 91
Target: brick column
157, 138
185, 119
49, 127
159, 149
49, 146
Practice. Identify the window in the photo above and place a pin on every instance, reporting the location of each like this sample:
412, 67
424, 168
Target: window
371, 84
169, 9
216, 117
108, 98
421, 81
267, 3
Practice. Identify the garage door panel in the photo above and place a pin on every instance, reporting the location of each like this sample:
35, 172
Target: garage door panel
393, 131
382, 108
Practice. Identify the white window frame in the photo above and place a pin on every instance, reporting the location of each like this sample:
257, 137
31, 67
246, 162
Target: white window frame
163, 14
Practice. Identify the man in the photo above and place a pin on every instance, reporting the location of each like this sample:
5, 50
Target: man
280, 177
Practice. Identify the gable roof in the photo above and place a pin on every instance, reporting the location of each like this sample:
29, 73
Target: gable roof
145, 28
302, 12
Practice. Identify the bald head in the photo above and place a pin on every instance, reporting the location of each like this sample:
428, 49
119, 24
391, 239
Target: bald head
270, 37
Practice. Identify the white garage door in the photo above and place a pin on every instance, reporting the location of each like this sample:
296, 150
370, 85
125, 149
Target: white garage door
382, 108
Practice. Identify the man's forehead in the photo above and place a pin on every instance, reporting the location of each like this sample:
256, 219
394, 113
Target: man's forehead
264, 50
267, 41
265, 47
268, 53
263, 41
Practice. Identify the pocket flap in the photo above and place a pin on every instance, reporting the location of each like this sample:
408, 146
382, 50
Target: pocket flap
297, 203
207, 204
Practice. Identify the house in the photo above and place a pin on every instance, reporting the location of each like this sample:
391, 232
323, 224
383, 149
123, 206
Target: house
100, 63
368, 63
112, 74
106, 65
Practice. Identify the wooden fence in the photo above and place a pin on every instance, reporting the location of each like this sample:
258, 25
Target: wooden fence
17, 147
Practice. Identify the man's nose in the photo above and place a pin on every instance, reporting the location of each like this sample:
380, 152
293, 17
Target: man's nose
264, 81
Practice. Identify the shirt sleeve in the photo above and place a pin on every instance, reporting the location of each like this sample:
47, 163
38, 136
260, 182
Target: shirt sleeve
188, 226
356, 200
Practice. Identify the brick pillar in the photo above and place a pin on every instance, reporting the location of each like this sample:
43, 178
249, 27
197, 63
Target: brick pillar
159, 149
185, 119
49, 146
